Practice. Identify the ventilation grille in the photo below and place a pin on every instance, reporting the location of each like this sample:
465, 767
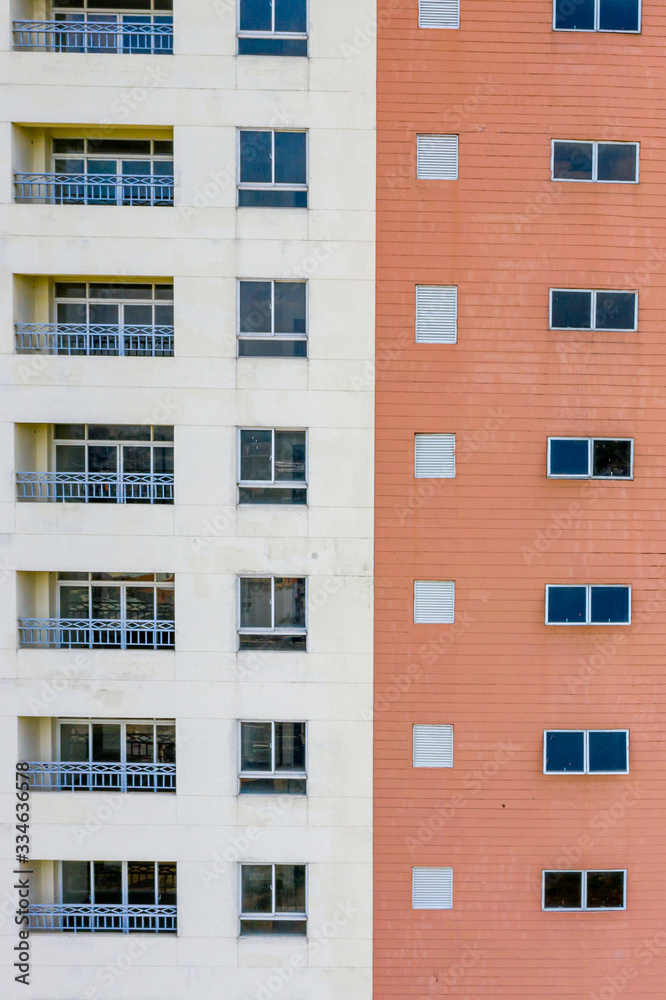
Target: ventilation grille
432, 888
433, 746
434, 602
436, 314
437, 157
435, 456
439, 13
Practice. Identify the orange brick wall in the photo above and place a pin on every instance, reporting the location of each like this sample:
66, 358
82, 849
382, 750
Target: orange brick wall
504, 233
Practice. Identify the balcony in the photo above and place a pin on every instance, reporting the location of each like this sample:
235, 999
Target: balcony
98, 33
103, 340
86, 189
81, 487
96, 777
88, 917
96, 633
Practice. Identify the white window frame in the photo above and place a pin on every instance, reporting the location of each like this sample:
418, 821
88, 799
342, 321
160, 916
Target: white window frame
292, 484
595, 143
273, 33
586, 750
85, 443
584, 906
272, 630
120, 158
588, 603
125, 879
114, 300
123, 723
301, 917
593, 306
300, 775
597, 18
122, 586
241, 335
590, 460
271, 185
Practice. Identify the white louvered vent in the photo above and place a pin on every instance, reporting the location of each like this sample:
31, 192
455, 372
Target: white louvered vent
434, 602
435, 456
432, 888
439, 13
436, 314
437, 157
433, 746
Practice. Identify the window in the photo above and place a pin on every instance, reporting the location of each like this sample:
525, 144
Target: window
144, 30
272, 612
272, 758
273, 170
584, 890
590, 458
437, 157
607, 162
133, 751
116, 609
434, 602
113, 463
114, 171
272, 319
271, 467
121, 317
575, 309
439, 13
588, 605
432, 888
117, 892
432, 746
273, 28
436, 314
593, 751
597, 15
435, 456
273, 900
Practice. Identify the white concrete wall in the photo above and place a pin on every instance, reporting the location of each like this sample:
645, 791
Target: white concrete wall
204, 93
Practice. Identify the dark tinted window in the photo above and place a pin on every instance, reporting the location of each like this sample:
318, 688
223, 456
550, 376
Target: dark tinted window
565, 751
572, 161
290, 456
610, 604
255, 307
256, 746
118, 147
290, 888
617, 161
574, 15
255, 15
612, 459
256, 157
605, 889
569, 457
608, 751
290, 746
291, 15
571, 310
562, 890
68, 145
566, 604
618, 15
256, 450
290, 300
615, 311
257, 894
290, 165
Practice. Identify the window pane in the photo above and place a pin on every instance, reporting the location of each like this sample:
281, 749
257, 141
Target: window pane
272, 349
618, 15
140, 745
290, 888
106, 602
612, 459
290, 456
574, 14
290, 15
562, 890
69, 432
69, 145
257, 895
256, 158
99, 290
106, 743
70, 290
166, 744
608, 751
289, 746
255, 598
255, 15
565, 752
256, 452
290, 158
119, 147
140, 603
569, 457
70, 458
571, 310
72, 312
73, 741
256, 746
136, 459
165, 599
610, 604
75, 882
605, 889
289, 602
166, 883
102, 458
617, 161
74, 602
572, 161
141, 883
108, 880
290, 307
138, 315
255, 307
566, 604
118, 432
616, 310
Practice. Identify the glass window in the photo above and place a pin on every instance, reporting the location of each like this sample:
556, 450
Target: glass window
612, 459
568, 457
272, 613
570, 310
617, 161
565, 752
575, 15
599, 458
572, 161
608, 751
615, 310
113, 171
605, 890
586, 752
107, 612
272, 27
562, 890
588, 605
610, 605
272, 753
595, 161
619, 15
276, 459
566, 605
107, 319
274, 895
272, 168
272, 319
597, 15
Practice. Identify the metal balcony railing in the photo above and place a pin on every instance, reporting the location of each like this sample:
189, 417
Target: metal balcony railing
96, 487
99, 339
94, 189
88, 917
79, 36
94, 776
95, 633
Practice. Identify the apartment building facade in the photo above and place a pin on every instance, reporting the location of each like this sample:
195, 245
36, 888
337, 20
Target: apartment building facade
519, 556
187, 344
